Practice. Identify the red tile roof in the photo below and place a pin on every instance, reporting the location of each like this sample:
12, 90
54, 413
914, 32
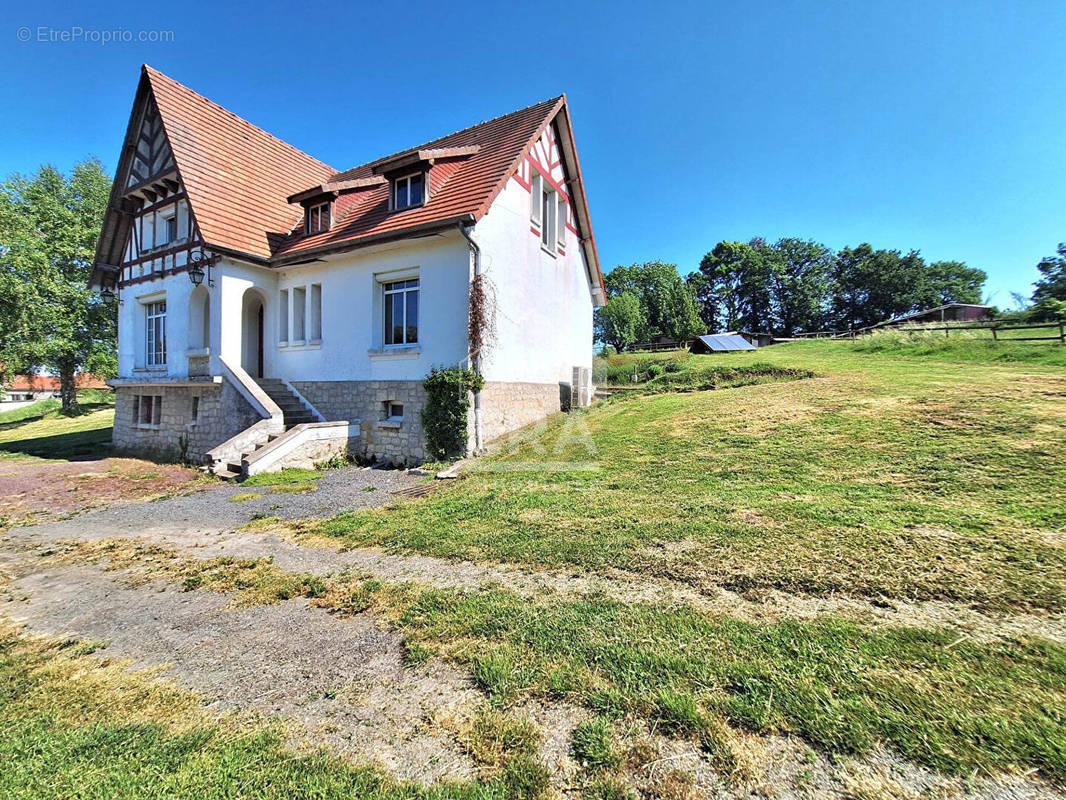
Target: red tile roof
469, 190
237, 176
240, 179
50, 383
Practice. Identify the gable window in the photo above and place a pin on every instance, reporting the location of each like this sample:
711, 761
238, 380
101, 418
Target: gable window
535, 208
318, 218
401, 312
407, 191
155, 315
167, 231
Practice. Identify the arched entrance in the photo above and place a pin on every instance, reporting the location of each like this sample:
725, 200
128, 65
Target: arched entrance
252, 333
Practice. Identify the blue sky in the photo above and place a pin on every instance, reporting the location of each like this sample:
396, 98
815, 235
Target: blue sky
930, 125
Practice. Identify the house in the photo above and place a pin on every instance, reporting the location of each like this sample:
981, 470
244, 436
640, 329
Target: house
949, 312
275, 310
22, 388
721, 343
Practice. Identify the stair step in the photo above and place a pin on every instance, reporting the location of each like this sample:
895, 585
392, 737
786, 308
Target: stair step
228, 474
238, 468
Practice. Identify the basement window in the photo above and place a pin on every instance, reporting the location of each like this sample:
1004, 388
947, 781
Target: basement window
195, 415
392, 412
317, 219
147, 410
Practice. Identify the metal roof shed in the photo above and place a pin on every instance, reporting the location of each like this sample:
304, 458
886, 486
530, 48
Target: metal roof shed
721, 343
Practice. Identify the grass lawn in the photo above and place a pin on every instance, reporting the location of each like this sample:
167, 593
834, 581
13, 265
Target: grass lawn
42, 431
886, 476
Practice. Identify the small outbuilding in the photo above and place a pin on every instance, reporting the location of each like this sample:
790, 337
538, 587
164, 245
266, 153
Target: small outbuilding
949, 312
721, 343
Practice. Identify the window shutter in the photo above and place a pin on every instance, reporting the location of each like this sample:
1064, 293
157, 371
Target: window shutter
534, 199
562, 221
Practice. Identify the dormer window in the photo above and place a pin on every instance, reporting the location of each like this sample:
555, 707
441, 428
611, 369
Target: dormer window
317, 219
407, 191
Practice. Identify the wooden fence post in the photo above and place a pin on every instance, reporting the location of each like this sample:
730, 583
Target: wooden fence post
994, 338
1062, 331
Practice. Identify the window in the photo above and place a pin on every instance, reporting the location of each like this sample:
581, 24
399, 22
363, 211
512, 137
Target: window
195, 408
401, 312
318, 218
316, 312
156, 330
299, 313
283, 317
147, 410
562, 221
167, 231
393, 412
407, 191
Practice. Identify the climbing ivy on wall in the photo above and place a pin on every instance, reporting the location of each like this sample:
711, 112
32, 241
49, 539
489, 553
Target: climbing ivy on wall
444, 416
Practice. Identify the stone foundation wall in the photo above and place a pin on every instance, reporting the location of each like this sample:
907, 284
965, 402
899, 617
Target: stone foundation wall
222, 413
506, 407
398, 443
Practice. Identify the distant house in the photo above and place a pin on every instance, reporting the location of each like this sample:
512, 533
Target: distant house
949, 312
721, 343
22, 388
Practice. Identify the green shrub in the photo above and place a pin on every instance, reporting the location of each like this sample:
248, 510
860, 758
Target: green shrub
445, 414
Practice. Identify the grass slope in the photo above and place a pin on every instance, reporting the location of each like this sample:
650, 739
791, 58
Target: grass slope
43, 431
884, 477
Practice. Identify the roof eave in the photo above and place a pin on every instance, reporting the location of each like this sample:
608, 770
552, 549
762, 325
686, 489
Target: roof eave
335, 248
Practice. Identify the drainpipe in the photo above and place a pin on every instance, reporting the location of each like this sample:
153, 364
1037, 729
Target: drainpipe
476, 251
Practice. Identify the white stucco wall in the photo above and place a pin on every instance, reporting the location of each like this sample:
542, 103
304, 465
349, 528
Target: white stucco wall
543, 302
351, 346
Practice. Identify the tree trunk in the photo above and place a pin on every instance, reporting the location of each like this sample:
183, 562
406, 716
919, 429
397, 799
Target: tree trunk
68, 392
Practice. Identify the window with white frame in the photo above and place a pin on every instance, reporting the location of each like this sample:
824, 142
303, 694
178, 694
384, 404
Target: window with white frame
408, 191
547, 211
318, 218
147, 410
155, 315
547, 226
401, 312
167, 230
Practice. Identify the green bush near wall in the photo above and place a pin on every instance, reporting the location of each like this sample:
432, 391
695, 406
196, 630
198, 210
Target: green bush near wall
444, 416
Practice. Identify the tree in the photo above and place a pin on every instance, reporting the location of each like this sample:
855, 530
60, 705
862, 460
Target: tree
49, 318
619, 322
667, 307
737, 277
800, 280
1049, 295
951, 282
871, 286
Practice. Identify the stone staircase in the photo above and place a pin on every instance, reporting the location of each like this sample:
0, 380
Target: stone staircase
294, 411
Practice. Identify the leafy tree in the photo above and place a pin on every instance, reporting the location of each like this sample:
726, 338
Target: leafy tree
799, 285
1049, 295
871, 286
620, 322
738, 278
49, 318
951, 282
667, 307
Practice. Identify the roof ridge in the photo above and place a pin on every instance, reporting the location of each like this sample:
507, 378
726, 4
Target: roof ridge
549, 101
152, 70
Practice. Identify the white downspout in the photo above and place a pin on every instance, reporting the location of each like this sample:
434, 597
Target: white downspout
476, 360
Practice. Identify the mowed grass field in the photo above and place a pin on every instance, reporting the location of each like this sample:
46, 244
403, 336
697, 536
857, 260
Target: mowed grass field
898, 477
888, 476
